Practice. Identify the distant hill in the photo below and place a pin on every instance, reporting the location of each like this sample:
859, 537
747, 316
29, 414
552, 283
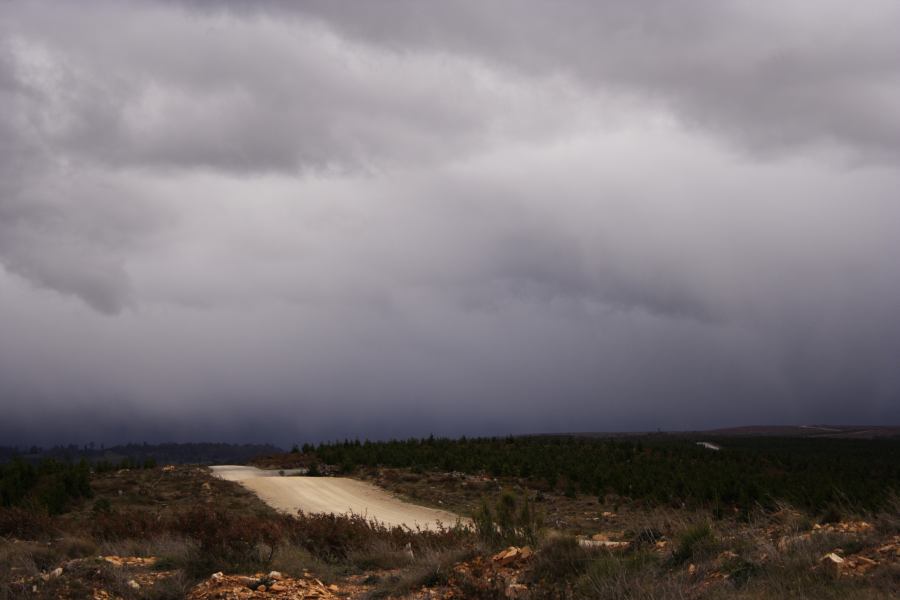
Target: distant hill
199, 453
860, 432
810, 431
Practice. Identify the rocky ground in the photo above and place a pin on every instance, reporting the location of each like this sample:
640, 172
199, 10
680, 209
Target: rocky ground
260, 585
128, 543
505, 574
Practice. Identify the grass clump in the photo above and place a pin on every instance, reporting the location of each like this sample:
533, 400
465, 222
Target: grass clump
229, 541
26, 523
629, 576
558, 559
511, 521
694, 543
336, 538
431, 569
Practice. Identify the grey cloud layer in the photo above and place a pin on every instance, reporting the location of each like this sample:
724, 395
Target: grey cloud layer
769, 77
471, 218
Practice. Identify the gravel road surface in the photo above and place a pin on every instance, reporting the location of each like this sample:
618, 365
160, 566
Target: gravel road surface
332, 495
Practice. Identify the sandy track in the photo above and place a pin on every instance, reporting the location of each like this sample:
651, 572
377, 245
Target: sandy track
338, 495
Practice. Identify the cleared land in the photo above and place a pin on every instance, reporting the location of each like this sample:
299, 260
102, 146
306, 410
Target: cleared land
338, 495
155, 533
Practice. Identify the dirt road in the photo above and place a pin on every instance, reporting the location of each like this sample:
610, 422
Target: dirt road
332, 495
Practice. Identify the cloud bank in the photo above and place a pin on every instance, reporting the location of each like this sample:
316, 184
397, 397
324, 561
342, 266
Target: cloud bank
291, 221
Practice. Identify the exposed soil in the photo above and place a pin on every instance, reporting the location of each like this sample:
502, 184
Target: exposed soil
339, 495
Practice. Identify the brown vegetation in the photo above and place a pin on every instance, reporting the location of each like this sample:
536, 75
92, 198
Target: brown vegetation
162, 533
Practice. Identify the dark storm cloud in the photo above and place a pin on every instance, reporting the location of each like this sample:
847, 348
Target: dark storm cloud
271, 221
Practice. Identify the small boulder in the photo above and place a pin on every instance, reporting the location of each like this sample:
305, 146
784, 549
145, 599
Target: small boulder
727, 555
507, 557
832, 563
863, 565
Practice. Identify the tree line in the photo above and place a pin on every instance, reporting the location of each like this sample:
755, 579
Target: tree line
747, 472
49, 485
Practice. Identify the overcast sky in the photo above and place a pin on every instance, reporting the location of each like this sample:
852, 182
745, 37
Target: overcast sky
308, 220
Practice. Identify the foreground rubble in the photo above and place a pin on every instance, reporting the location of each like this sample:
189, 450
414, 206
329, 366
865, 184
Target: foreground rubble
97, 578
497, 576
786, 548
861, 563
262, 585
